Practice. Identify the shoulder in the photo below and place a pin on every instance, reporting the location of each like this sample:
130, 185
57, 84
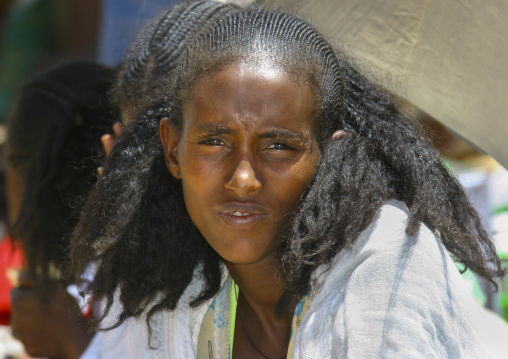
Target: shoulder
174, 333
385, 252
392, 293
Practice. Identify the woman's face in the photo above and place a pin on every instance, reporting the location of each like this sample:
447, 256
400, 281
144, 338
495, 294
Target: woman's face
246, 154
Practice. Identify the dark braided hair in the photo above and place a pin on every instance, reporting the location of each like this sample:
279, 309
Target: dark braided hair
155, 51
54, 130
136, 223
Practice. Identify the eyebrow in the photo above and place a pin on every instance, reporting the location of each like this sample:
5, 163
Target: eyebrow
283, 134
214, 129
218, 129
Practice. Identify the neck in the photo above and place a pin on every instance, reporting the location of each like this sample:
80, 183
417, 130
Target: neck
261, 286
260, 283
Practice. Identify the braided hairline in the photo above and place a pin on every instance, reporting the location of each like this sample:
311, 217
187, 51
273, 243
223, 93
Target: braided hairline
156, 49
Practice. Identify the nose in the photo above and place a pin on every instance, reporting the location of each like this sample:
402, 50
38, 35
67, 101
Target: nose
244, 179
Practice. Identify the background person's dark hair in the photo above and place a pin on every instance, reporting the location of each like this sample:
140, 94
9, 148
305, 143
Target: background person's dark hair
54, 131
149, 248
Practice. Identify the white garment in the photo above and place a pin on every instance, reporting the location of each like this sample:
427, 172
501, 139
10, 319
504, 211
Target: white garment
390, 296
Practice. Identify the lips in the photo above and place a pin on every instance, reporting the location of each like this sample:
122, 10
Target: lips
242, 215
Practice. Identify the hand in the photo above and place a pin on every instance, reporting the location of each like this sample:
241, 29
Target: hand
50, 328
109, 140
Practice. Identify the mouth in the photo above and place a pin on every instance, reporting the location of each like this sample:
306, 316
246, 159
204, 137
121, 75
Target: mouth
242, 215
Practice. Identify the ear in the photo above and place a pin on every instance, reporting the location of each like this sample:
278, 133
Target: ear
339, 135
169, 137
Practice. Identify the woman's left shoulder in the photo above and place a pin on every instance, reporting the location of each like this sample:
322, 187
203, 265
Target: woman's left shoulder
385, 252
394, 293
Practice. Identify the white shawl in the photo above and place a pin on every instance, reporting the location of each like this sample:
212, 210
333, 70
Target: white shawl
390, 296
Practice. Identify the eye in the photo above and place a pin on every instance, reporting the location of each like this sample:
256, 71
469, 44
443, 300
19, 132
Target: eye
279, 146
212, 142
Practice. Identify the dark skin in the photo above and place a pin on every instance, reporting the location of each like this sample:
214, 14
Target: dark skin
246, 153
47, 328
108, 142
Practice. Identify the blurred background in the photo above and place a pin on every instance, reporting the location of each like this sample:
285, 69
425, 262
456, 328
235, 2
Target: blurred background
447, 62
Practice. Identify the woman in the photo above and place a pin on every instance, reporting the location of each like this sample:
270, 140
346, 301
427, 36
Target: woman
53, 150
285, 192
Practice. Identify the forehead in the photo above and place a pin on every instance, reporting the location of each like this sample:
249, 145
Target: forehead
255, 94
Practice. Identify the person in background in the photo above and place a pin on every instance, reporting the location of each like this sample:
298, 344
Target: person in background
53, 151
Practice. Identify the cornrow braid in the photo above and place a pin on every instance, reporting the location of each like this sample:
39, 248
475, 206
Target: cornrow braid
154, 52
262, 37
147, 243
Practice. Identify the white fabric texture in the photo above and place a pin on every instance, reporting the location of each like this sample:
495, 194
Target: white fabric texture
389, 296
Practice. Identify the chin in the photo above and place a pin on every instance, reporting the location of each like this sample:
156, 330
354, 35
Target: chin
242, 257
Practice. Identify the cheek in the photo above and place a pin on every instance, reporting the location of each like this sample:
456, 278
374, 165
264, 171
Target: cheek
200, 178
295, 182
196, 200
196, 163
